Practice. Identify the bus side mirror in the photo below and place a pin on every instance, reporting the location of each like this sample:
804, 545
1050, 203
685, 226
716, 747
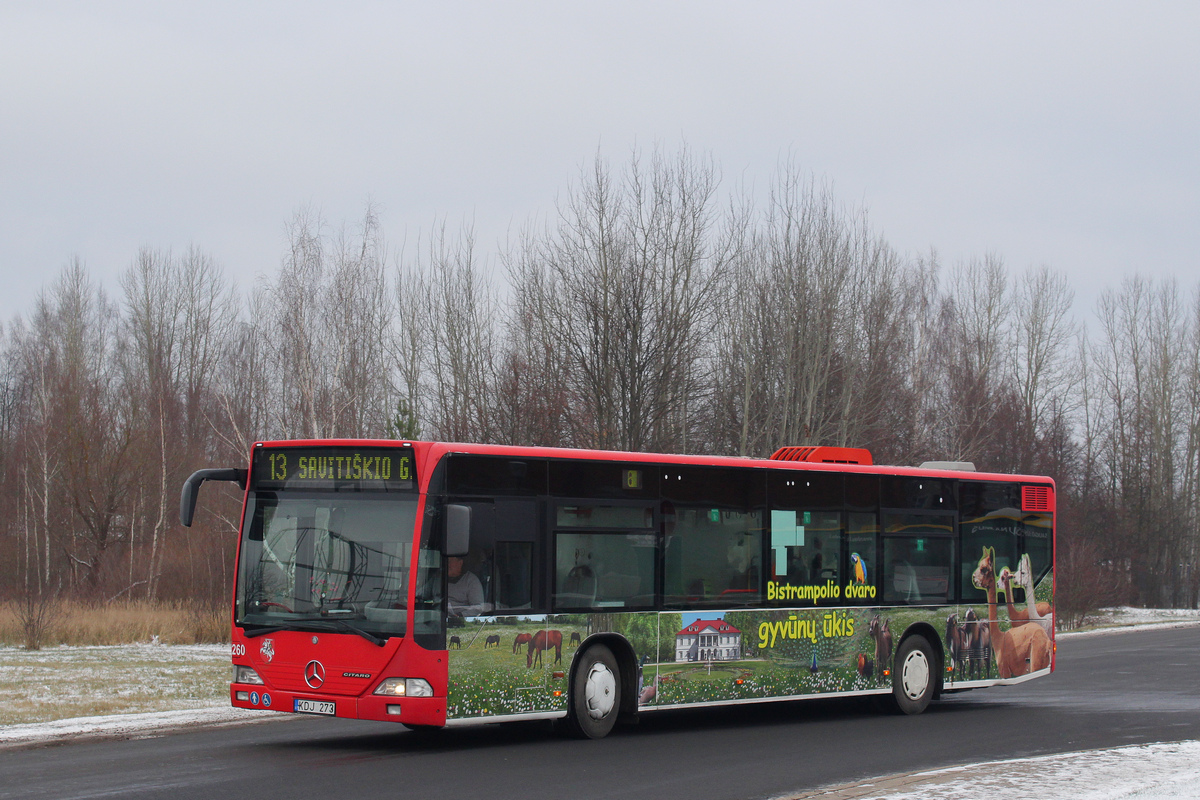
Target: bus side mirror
458, 530
191, 488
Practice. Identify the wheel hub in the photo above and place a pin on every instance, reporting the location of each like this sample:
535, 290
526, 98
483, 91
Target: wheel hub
914, 675
600, 691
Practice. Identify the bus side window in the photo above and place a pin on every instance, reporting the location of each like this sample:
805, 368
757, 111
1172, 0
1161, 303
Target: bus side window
917, 568
504, 542
714, 556
787, 544
604, 570
805, 551
863, 566
990, 521
714, 526
1036, 542
513, 575
899, 573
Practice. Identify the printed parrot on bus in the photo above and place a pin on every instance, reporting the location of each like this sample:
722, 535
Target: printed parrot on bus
860, 568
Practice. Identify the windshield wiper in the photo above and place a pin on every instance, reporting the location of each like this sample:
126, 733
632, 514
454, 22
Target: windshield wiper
252, 630
346, 627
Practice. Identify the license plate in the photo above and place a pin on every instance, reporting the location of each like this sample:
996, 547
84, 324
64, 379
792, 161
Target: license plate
314, 707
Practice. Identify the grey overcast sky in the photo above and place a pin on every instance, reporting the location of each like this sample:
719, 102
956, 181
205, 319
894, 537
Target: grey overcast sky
1065, 134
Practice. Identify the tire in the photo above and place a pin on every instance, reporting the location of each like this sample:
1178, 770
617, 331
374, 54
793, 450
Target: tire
914, 675
595, 694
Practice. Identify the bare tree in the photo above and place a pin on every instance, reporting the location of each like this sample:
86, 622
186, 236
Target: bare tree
815, 316
1087, 581
151, 320
458, 320
37, 611
38, 440
532, 400
875, 399
1141, 363
297, 330
979, 314
408, 347
810, 272
628, 281
1190, 548
96, 429
1043, 366
1044, 329
330, 314
178, 311
359, 301
245, 379
207, 312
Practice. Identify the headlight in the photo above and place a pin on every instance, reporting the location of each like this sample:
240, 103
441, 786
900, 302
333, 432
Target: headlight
246, 675
405, 687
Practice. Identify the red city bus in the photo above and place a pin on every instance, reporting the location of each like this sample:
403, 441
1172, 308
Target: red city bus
437, 584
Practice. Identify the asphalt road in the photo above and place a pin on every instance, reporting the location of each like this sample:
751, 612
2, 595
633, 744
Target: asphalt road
1111, 690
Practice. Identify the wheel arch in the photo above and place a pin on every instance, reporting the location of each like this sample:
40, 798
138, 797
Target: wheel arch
622, 651
930, 634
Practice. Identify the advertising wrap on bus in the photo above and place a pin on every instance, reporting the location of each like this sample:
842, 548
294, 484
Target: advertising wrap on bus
511, 665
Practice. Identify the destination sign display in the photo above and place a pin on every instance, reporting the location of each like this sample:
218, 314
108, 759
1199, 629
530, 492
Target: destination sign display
346, 469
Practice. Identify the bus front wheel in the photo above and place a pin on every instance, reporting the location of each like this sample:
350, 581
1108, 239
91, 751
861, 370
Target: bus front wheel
914, 679
595, 694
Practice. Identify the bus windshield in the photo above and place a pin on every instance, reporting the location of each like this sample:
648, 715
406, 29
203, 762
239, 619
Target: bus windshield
326, 561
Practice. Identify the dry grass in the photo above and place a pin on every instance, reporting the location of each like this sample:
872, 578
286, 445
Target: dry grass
124, 622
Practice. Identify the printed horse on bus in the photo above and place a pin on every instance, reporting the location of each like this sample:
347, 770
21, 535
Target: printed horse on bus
543, 640
521, 639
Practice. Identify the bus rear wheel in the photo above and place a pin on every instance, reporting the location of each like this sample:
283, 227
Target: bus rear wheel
595, 694
914, 678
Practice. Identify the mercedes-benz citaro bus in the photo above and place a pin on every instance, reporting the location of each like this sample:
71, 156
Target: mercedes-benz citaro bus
436, 584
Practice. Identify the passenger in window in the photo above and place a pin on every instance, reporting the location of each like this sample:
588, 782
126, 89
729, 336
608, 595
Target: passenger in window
579, 587
464, 592
797, 573
904, 577
742, 558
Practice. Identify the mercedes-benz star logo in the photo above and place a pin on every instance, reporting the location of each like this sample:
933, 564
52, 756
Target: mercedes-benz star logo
314, 674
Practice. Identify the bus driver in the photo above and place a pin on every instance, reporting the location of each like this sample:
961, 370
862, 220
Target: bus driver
464, 592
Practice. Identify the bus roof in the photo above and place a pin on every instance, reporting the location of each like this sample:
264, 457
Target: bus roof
435, 450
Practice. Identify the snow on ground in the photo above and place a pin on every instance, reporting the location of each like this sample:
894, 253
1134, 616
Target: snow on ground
1128, 616
1146, 772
